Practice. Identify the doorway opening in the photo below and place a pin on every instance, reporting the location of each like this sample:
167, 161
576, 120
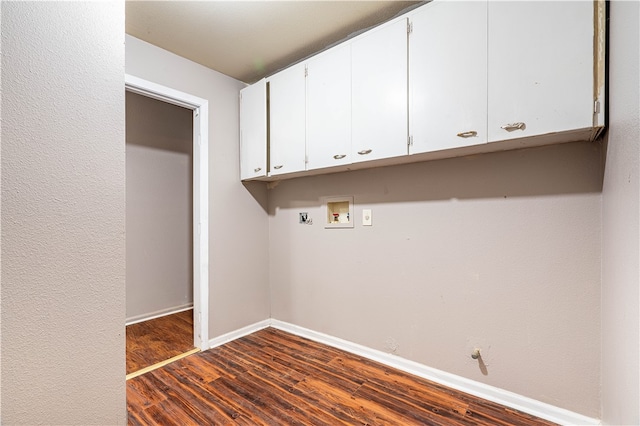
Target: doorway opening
176, 160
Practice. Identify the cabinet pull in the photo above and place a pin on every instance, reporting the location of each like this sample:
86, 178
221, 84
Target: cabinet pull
277, 167
257, 169
364, 152
469, 134
339, 156
513, 126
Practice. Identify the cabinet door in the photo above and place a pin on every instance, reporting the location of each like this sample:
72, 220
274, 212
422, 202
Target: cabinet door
329, 108
287, 121
253, 131
540, 67
379, 93
448, 76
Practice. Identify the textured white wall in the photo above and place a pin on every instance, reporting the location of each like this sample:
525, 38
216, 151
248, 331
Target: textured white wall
238, 226
63, 218
159, 207
0, 217
621, 223
499, 251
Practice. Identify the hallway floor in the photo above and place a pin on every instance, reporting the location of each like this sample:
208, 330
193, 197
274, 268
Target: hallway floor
159, 339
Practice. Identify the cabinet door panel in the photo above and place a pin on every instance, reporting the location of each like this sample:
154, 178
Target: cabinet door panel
448, 76
287, 121
253, 131
379, 93
540, 67
329, 108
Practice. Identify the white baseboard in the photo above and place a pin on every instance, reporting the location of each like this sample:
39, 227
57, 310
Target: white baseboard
481, 390
233, 335
157, 314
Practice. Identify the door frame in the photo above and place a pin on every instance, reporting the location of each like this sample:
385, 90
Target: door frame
200, 108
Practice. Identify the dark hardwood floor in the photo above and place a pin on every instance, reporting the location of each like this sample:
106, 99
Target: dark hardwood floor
159, 339
274, 378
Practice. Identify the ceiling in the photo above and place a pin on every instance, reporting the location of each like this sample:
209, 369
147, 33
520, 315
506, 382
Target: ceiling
248, 40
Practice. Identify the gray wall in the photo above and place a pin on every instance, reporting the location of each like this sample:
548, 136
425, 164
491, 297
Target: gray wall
63, 213
158, 207
498, 251
621, 224
238, 226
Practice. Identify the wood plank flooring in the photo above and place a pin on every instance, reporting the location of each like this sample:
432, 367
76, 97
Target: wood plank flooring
274, 378
159, 339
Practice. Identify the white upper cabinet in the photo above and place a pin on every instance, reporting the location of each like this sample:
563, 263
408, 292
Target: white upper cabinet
448, 76
329, 108
253, 131
541, 67
379, 93
287, 120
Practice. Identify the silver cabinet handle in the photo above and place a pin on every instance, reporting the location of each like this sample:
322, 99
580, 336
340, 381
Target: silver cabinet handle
513, 126
364, 152
469, 134
257, 169
277, 167
339, 156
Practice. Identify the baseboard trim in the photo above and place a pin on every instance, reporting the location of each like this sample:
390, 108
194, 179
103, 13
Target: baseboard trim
157, 314
241, 332
481, 390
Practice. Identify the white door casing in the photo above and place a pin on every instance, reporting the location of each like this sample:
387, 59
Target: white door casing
200, 108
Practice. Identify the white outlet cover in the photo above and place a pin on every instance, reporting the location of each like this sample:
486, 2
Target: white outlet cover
366, 217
